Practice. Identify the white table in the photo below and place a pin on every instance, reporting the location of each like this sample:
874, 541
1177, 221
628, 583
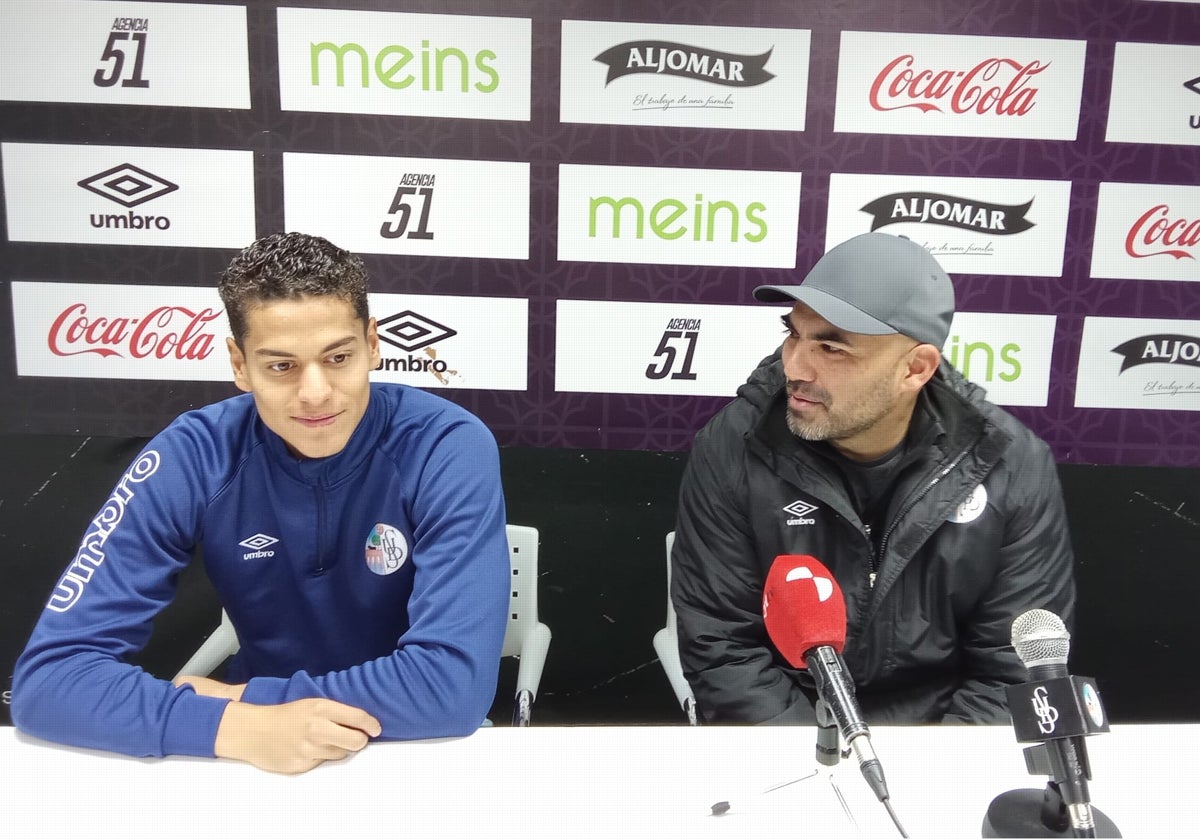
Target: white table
567, 782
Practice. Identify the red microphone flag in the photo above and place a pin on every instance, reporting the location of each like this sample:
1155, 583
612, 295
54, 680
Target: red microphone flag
803, 608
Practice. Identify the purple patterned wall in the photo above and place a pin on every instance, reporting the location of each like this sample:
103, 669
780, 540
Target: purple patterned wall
540, 415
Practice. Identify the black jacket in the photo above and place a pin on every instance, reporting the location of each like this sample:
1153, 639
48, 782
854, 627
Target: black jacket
928, 641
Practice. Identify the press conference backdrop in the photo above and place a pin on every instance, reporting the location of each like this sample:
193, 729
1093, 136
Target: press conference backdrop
565, 206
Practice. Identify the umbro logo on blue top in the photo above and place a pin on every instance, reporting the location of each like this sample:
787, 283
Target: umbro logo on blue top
258, 545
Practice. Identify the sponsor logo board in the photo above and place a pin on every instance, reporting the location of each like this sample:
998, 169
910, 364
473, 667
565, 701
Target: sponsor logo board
124, 53
1006, 354
129, 195
1155, 94
1139, 363
83, 330
959, 85
92, 331
470, 67
661, 348
703, 76
427, 206
971, 225
633, 214
432, 341
1147, 232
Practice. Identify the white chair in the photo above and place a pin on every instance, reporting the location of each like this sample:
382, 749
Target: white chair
524, 637
666, 645
218, 647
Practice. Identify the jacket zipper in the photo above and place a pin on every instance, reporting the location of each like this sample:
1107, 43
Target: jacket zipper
911, 504
320, 566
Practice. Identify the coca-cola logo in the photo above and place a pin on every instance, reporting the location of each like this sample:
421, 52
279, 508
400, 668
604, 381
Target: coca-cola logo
174, 332
1158, 232
1000, 86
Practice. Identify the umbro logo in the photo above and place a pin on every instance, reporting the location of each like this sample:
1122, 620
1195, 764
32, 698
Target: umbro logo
258, 545
800, 511
128, 185
411, 331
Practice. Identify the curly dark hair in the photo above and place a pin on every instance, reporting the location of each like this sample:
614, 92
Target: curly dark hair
284, 266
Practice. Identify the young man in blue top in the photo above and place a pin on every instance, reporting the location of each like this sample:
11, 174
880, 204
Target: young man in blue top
354, 532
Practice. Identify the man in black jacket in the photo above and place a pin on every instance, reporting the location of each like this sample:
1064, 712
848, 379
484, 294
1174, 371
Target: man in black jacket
940, 515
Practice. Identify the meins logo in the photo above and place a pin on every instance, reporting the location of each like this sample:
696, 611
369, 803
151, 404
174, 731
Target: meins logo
669, 218
413, 186
966, 356
675, 351
126, 43
948, 211
1158, 231
1001, 86
436, 69
665, 57
1168, 349
91, 551
165, 332
129, 186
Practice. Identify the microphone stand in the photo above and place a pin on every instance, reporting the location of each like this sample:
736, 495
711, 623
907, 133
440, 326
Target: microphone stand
1028, 812
829, 753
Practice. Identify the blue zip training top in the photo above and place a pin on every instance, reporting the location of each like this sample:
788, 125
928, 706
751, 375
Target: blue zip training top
377, 577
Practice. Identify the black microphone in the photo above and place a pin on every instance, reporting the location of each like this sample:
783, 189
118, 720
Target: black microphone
1054, 711
805, 615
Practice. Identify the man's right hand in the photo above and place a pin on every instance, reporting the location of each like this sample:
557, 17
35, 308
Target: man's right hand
293, 737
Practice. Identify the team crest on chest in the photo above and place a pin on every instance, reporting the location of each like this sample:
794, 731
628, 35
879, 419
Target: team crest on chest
386, 549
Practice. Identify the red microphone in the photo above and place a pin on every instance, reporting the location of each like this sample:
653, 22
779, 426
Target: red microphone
803, 608
805, 615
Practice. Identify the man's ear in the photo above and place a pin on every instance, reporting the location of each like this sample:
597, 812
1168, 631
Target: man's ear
373, 344
237, 360
923, 361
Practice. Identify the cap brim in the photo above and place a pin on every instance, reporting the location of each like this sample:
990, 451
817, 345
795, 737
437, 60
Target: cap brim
833, 309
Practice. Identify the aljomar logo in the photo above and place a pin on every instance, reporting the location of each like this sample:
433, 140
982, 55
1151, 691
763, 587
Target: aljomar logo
1164, 348
671, 218
721, 68
398, 67
949, 211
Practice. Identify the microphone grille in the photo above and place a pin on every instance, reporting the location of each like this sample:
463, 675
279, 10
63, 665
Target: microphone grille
1041, 638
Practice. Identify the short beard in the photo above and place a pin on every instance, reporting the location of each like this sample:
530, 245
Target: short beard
870, 408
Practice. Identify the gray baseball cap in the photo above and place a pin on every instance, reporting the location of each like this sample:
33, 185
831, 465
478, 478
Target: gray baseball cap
876, 284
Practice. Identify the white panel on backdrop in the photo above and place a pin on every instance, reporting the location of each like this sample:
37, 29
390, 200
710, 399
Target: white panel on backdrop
633, 214
178, 332
1147, 232
661, 348
433, 341
428, 206
186, 55
959, 85
466, 66
668, 74
1007, 354
971, 225
94, 331
1139, 363
1155, 94
129, 195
